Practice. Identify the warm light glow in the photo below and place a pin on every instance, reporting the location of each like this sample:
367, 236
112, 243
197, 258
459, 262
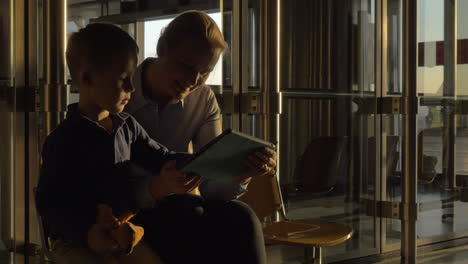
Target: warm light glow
220, 62
278, 63
277, 145
278, 29
64, 23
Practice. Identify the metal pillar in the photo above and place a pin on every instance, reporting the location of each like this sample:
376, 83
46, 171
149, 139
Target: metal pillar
450, 82
7, 118
270, 53
54, 92
409, 168
237, 49
450, 90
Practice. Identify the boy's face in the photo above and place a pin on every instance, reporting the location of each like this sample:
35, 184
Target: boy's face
185, 68
110, 89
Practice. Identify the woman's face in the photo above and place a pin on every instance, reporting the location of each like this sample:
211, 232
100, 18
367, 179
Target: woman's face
183, 69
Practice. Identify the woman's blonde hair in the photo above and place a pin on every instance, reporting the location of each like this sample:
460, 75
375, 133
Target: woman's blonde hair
194, 25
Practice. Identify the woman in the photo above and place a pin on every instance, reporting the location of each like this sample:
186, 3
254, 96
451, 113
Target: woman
178, 110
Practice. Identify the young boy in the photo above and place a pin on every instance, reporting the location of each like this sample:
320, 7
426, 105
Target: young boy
99, 155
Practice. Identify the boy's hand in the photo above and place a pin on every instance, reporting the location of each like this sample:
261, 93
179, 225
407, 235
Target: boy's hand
98, 237
261, 162
99, 240
111, 235
172, 181
105, 218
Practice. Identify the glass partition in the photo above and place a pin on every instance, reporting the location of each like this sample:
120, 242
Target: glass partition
442, 121
329, 141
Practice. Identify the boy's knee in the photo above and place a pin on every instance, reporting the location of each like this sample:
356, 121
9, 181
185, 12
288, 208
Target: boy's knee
142, 253
173, 208
71, 253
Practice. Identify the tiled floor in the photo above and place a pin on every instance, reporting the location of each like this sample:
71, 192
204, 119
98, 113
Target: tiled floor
458, 255
454, 256
289, 255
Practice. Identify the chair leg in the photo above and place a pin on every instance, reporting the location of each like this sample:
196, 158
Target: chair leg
308, 255
313, 255
318, 255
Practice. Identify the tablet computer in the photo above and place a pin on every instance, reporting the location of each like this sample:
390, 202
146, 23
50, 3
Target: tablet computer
224, 158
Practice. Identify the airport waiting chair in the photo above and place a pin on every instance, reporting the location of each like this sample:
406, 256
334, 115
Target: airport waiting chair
264, 197
426, 164
327, 157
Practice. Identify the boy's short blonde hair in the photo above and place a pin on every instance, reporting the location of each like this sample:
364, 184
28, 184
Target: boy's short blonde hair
99, 45
192, 24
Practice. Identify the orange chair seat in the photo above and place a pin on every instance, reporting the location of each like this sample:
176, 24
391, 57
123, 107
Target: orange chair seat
308, 233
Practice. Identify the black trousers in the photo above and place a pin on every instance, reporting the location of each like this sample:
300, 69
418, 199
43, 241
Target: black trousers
188, 229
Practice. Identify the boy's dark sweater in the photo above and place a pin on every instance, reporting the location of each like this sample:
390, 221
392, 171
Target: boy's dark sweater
83, 165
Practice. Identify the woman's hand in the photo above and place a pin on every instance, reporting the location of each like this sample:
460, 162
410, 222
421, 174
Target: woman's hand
172, 181
260, 163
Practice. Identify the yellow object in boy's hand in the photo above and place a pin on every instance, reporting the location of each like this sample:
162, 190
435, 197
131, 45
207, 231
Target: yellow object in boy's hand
127, 236
111, 235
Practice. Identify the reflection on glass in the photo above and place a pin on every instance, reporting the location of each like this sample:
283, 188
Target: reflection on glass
391, 169
253, 32
462, 46
328, 165
252, 124
79, 15
394, 46
329, 45
430, 47
227, 29
328, 140
442, 157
